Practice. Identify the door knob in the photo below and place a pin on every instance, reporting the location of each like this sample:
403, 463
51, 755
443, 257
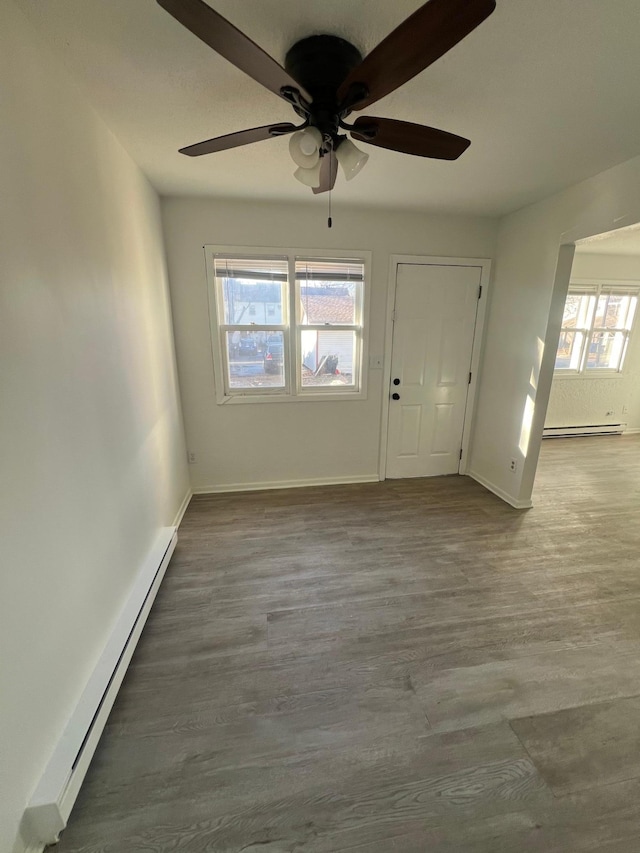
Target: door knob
396, 381
395, 396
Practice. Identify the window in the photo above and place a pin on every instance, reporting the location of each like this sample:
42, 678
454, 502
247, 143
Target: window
596, 325
287, 325
329, 325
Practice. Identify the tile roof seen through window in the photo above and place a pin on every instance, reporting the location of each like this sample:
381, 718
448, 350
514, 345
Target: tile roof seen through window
328, 308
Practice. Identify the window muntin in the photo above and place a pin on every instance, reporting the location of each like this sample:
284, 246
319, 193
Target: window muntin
287, 326
596, 325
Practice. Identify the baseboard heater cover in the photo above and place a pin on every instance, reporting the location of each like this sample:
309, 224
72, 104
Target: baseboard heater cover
590, 429
50, 806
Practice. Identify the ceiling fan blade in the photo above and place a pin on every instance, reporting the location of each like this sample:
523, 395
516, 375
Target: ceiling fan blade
242, 137
424, 37
409, 138
230, 42
328, 173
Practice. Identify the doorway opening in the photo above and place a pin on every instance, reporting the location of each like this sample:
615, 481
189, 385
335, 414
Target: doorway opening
596, 381
595, 390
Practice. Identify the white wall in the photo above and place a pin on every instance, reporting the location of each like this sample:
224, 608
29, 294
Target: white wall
606, 267
91, 451
289, 442
583, 400
520, 341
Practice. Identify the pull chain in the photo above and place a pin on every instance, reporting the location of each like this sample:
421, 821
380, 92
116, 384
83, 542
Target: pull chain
329, 220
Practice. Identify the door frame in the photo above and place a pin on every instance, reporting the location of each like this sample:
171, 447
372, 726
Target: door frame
476, 353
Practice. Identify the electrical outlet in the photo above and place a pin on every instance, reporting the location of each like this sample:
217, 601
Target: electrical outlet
625, 410
513, 465
191, 457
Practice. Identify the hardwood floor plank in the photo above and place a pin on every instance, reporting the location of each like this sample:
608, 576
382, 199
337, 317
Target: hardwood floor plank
603, 819
503, 689
584, 747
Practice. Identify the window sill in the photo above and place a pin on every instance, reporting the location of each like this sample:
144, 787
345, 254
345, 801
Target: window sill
605, 374
243, 399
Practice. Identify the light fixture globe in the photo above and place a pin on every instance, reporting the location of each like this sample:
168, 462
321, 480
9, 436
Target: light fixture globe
304, 147
351, 158
309, 177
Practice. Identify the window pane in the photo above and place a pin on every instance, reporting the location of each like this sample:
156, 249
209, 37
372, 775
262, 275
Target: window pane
328, 358
252, 290
330, 291
322, 303
578, 310
569, 352
571, 308
606, 350
255, 359
615, 311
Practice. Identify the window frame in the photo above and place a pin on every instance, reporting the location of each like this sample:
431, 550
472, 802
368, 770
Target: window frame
291, 328
595, 288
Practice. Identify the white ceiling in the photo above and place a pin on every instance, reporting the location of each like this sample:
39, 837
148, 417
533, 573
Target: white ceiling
547, 91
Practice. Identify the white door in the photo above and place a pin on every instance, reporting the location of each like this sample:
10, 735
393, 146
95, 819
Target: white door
435, 316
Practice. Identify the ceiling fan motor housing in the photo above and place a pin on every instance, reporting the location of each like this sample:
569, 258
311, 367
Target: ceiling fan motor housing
320, 64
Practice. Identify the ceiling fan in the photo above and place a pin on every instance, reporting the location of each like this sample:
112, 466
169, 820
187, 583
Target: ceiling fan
325, 78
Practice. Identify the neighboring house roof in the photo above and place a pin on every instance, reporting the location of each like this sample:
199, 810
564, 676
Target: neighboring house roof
327, 309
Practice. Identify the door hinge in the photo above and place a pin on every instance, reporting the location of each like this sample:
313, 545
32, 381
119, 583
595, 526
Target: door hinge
393, 316
461, 454
470, 375
479, 291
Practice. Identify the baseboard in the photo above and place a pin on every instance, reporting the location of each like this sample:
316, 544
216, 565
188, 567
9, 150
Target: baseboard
183, 509
285, 484
51, 803
631, 431
505, 496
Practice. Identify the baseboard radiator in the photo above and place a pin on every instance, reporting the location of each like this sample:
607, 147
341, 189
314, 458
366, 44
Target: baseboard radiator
50, 806
590, 429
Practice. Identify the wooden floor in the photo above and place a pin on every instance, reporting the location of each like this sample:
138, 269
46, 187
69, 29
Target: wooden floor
406, 666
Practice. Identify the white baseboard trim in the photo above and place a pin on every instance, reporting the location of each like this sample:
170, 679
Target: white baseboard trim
183, 509
286, 484
631, 431
51, 803
505, 496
